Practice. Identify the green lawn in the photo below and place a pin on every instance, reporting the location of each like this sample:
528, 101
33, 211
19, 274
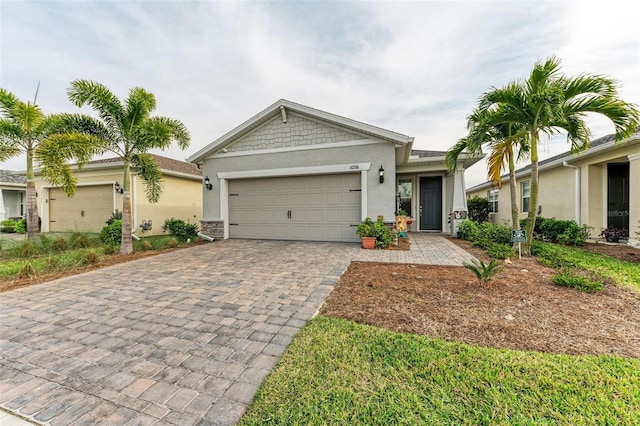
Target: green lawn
623, 273
340, 373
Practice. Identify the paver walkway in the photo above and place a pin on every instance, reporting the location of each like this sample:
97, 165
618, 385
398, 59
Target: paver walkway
182, 338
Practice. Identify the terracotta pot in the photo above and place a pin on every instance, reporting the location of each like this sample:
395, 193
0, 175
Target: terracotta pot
369, 242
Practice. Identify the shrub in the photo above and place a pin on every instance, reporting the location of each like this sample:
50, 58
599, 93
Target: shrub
115, 215
559, 231
60, 244
21, 226
364, 229
79, 240
89, 258
8, 226
478, 209
383, 234
51, 263
112, 233
500, 251
570, 278
482, 271
25, 249
27, 270
109, 249
146, 245
467, 230
574, 235
614, 234
172, 243
180, 229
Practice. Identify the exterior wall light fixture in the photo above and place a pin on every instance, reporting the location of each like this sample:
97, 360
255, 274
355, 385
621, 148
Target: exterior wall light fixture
117, 188
381, 174
207, 183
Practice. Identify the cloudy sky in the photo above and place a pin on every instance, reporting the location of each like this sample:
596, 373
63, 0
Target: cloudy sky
416, 68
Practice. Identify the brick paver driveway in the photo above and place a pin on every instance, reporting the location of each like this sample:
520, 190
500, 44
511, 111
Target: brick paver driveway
182, 338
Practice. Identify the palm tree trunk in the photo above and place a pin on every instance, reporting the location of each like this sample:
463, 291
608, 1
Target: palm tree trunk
533, 195
33, 226
126, 243
515, 211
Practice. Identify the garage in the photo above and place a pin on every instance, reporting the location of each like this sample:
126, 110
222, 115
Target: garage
87, 210
313, 208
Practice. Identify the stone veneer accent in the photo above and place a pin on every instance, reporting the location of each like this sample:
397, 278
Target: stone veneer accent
297, 131
212, 228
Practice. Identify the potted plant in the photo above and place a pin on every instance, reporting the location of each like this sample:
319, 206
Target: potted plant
613, 234
366, 231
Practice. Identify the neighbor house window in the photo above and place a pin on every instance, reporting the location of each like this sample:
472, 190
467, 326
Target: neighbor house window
492, 195
405, 194
526, 195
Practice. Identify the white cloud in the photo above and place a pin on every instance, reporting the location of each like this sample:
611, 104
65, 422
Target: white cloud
413, 67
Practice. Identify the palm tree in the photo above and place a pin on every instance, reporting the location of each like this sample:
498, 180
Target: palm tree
547, 103
485, 128
127, 130
49, 140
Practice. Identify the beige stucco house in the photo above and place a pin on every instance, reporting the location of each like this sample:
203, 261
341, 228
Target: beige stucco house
599, 187
293, 172
13, 187
96, 198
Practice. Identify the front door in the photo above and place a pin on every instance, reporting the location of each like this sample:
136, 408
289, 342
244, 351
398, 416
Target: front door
618, 196
431, 203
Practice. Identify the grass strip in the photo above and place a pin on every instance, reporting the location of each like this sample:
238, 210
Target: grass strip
624, 273
337, 372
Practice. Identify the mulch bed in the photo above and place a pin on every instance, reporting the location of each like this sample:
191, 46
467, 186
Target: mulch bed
520, 308
619, 251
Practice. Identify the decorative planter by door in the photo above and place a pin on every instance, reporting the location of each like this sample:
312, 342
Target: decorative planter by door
369, 242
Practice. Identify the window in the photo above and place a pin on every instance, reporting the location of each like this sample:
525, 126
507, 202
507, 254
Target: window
405, 194
526, 194
492, 195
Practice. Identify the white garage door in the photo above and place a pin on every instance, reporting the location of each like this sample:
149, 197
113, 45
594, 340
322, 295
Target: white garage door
87, 210
312, 208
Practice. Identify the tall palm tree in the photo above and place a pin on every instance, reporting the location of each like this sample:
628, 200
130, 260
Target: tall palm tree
127, 130
486, 128
548, 102
48, 140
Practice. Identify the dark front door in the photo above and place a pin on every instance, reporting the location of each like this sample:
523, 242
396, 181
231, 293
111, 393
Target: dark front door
431, 203
618, 195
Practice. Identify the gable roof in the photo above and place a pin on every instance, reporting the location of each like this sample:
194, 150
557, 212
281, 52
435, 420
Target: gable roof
11, 178
596, 146
166, 164
275, 110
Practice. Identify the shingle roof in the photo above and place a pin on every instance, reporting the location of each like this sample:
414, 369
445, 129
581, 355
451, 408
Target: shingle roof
164, 163
8, 176
423, 154
594, 143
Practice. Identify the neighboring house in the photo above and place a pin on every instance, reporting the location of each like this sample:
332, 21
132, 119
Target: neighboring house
599, 187
96, 198
13, 188
297, 173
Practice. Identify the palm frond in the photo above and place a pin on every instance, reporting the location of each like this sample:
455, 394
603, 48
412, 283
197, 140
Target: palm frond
149, 171
8, 149
160, 132
7, 102
139, 106
101, 99
57, 150
451, 157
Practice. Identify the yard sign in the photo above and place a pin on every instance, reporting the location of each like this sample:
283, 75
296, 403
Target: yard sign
519, 236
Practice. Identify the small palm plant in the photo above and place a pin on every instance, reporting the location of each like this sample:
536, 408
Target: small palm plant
483, 271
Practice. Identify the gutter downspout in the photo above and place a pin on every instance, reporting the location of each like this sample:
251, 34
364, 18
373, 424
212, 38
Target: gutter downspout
578, 199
